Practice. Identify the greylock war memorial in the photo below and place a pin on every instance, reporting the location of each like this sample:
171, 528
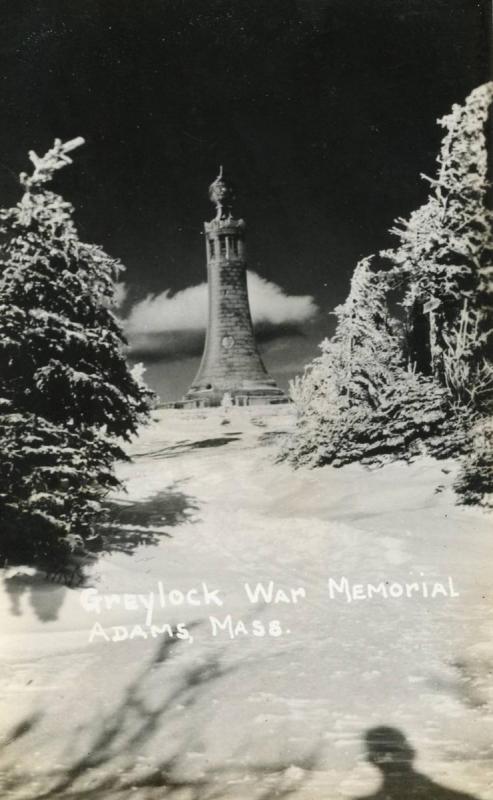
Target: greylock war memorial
231, 364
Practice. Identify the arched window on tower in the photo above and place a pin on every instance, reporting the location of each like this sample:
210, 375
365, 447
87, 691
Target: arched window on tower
212, 249
222, 245
235, 245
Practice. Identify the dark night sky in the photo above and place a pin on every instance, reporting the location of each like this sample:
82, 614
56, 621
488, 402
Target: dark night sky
323, 111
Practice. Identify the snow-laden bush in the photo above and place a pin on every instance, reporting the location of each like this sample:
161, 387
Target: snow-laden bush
66, 391
474, 483
358, 401
467, 372
411, 417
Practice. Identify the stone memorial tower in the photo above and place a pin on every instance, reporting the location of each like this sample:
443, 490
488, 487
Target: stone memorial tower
231, 363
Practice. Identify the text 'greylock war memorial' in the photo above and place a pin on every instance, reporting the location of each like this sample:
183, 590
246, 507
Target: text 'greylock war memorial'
231, 364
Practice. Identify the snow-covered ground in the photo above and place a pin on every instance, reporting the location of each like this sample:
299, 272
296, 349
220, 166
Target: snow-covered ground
257, 716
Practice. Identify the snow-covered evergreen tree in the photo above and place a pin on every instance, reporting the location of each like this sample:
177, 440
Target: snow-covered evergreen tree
359, 401
52, 478
365, 338
377, 392
445, 253
65, 386
474, 483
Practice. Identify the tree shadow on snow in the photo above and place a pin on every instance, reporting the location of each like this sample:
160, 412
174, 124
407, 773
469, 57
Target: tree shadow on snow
185, 446
132, 524
104, 758
390, 752
127, 526
466, 681
45, 596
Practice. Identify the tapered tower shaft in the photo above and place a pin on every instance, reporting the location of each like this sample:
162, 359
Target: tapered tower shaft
231, 362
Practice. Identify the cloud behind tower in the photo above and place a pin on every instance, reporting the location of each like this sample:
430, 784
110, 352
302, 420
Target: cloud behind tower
170, 327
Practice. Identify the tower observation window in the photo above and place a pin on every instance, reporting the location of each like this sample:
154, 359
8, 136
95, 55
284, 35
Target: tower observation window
222, 245
212, 249
235, 245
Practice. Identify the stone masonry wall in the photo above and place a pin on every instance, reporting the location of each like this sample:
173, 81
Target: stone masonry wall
230, 355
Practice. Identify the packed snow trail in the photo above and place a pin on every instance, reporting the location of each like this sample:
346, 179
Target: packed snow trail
255, 715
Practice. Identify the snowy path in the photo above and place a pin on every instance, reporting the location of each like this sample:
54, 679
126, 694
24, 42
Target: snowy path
256, 716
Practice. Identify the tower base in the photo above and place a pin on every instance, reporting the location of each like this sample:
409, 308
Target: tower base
248, 393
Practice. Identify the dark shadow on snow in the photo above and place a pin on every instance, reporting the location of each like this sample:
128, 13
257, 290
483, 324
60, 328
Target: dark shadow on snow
132, 524
21, 728
467, 681
127, 525
272, 437
219, 441
185, 446
44, 596
99, 762
390, 752
100, 758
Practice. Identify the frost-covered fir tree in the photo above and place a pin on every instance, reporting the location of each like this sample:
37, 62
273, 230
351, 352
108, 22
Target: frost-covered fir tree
365, 338
445, 259
358, 401
66, 391
474, 483
373, 394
